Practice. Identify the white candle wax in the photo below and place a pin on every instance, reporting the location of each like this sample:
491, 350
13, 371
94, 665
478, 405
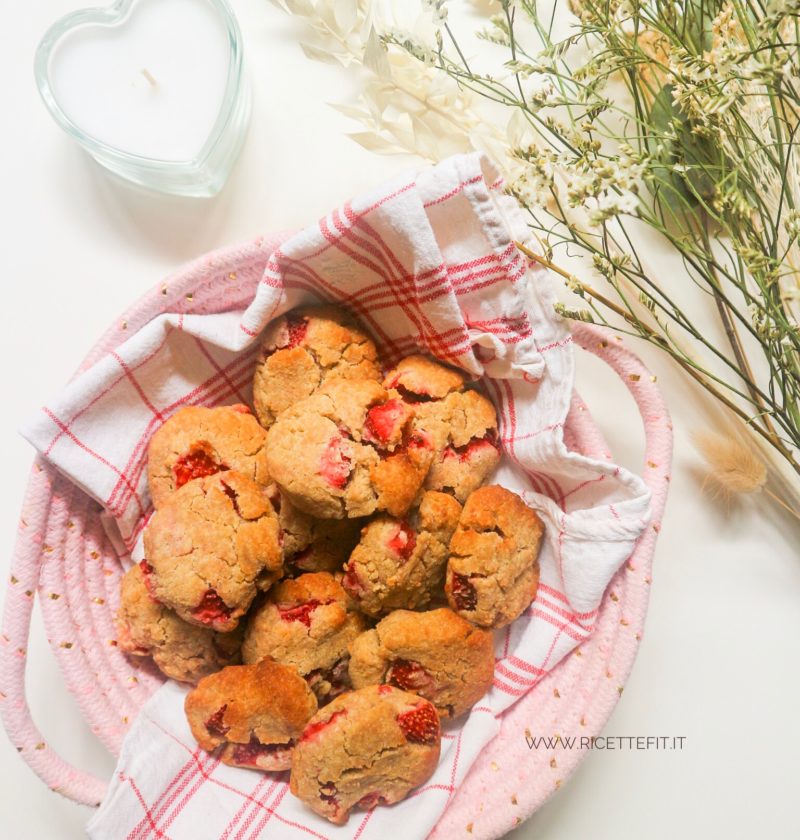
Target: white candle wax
151, 85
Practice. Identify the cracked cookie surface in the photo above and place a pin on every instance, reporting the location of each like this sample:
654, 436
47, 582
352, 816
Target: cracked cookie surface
181, 651
199, 441
368, 747
493, 570
436, 654
400, 563
254, 713
210, 547
461, 423
307, 623
348, 451
302, 351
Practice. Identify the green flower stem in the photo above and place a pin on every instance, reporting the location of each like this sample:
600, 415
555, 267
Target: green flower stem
691, 367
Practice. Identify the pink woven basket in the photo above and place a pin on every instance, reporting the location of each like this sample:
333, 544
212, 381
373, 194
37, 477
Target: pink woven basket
63, 553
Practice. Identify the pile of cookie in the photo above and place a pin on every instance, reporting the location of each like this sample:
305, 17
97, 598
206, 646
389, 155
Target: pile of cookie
341, 545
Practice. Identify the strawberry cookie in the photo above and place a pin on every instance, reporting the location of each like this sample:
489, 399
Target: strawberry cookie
198, 441
400, 563
462, 424
255, 713
366, 748
210, 547
314, 545
348, 451
436, 654
182, 651
306, 623
493, 570
302, 351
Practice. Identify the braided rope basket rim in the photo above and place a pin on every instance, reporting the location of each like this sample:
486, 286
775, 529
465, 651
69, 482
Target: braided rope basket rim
63, 552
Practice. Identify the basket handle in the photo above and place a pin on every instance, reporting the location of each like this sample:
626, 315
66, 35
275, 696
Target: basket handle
26, 565
608, 347
87, 789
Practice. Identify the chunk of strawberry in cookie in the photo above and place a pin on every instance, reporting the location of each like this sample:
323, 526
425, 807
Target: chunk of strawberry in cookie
463, 592
215, 725
408, 675
351, 582
420, 440
198, 462
476, 446
293, 334
420, 725
297, 328
314, 728
335, 464
385, 423
403, 541
212, 609
256, 754
300, 612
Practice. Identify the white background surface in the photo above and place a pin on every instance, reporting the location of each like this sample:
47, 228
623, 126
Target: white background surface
719, 660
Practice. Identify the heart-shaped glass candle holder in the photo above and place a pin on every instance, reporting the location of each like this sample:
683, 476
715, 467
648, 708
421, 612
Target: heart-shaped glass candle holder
154, 90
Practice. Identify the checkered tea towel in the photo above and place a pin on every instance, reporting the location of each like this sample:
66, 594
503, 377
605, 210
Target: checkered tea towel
427, 263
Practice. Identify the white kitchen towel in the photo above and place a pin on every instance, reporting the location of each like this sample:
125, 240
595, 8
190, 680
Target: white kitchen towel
428, 263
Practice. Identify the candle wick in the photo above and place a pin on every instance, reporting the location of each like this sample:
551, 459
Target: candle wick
149, 76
